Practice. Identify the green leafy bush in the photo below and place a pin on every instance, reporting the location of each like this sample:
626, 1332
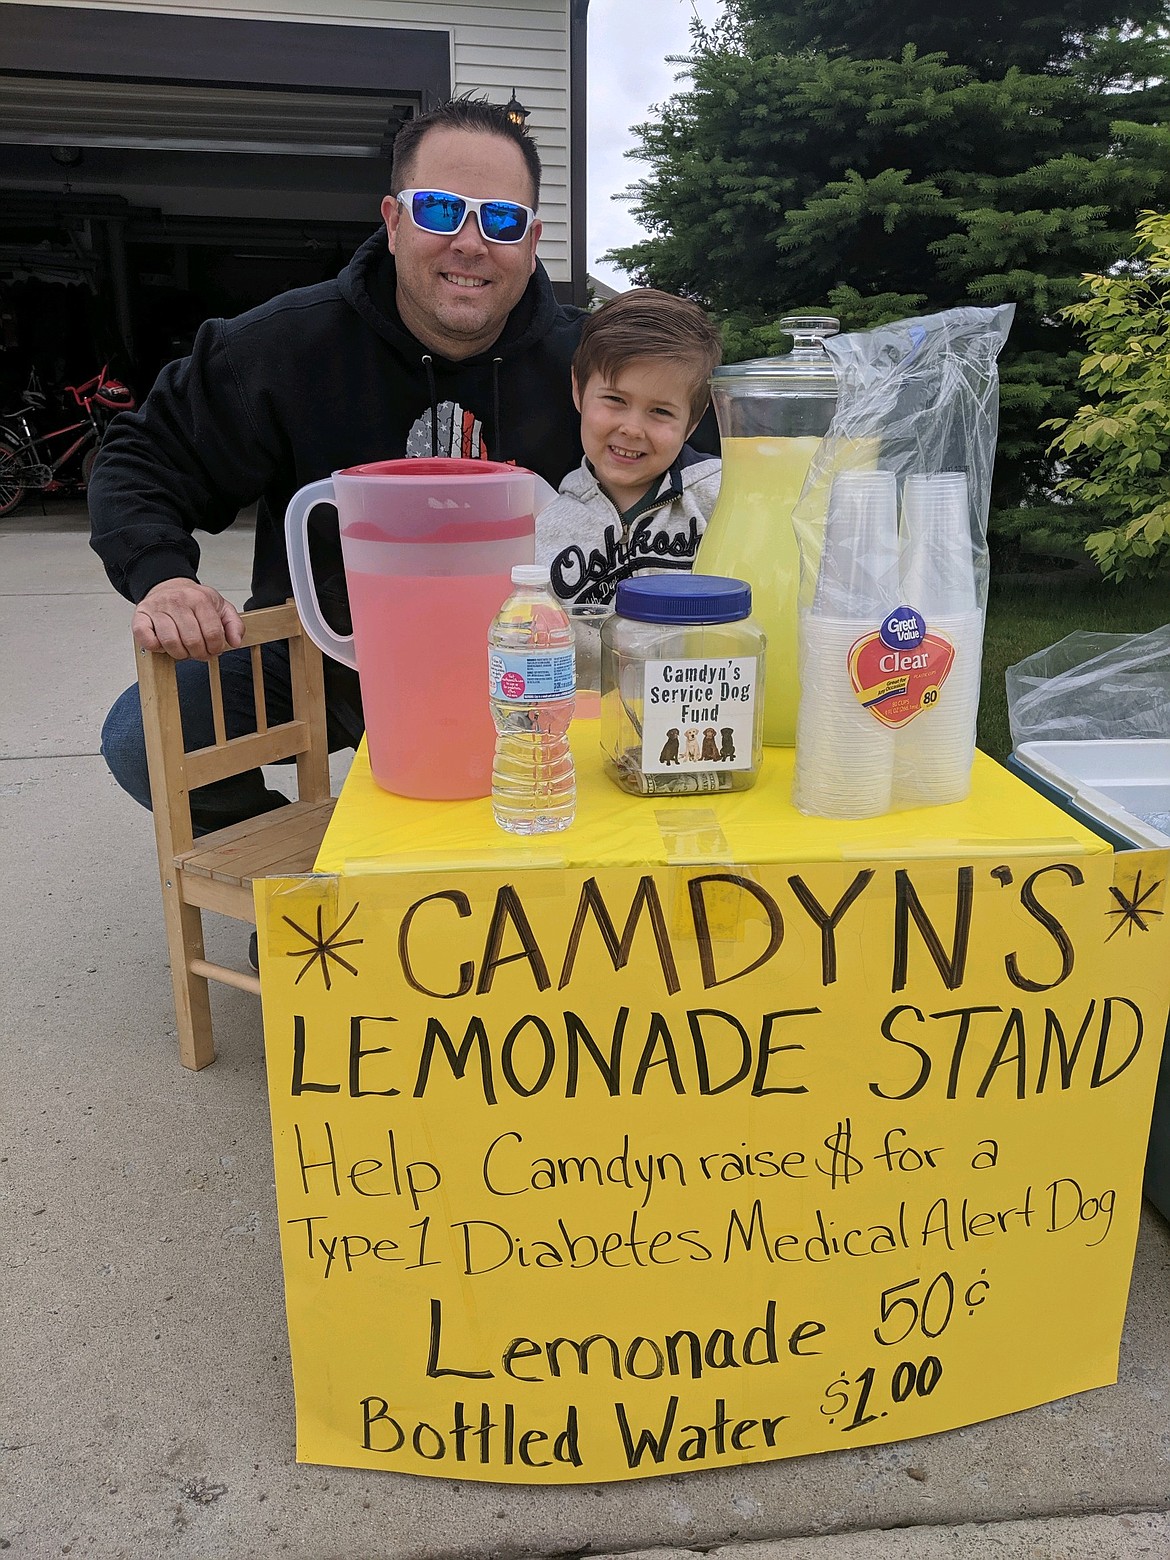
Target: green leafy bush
1117, 445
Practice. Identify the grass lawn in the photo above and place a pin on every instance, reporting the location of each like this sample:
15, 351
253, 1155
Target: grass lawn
1025, 615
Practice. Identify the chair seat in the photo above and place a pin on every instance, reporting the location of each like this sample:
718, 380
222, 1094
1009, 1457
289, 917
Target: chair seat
281, 843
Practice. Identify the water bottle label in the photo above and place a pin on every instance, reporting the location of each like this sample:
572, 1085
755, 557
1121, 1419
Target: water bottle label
526, 675
898, 670
699, 715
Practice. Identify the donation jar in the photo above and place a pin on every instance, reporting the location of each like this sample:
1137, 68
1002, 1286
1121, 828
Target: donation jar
772, 414
682, 686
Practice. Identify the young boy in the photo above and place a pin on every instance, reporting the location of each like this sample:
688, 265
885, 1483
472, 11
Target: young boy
641, 498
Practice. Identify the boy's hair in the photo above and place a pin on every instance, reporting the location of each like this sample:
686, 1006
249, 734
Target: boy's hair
461, 113
646, 323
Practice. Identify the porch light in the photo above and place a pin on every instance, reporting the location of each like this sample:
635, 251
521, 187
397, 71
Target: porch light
515, 110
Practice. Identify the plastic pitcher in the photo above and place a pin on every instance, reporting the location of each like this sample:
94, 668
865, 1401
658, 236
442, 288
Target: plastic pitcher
428, 547
772, 414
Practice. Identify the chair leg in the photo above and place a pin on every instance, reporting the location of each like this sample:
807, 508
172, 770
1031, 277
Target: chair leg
184, 925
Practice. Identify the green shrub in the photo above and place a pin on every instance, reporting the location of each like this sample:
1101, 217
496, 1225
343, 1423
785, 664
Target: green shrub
1117, 446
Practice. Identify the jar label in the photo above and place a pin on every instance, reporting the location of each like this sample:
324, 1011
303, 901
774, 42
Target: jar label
698, 715
898, 670
526, 675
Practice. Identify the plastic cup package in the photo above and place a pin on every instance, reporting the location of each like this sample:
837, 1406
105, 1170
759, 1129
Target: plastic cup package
850, 763
938, 567
859, 557
844, 757
920, 397
934, 753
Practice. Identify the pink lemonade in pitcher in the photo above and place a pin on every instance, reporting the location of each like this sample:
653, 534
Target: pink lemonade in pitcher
421, 642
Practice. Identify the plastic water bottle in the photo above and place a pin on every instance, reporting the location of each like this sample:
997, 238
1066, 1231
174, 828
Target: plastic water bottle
531, 684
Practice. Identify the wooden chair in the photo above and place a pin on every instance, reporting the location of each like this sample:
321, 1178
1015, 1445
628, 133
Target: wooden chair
215, 871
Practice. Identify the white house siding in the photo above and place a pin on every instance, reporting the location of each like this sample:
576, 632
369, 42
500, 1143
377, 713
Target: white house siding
495, 48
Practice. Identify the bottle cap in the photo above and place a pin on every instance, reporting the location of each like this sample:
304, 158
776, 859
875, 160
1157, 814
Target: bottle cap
684, 598
530, 574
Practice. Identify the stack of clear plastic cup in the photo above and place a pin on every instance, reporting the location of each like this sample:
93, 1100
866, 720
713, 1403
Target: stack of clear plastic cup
936, 749
844, 755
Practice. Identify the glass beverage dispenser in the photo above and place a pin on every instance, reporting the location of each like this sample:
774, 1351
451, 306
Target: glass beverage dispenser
772, 414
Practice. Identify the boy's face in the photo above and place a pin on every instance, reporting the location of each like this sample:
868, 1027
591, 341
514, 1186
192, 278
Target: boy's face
634, 423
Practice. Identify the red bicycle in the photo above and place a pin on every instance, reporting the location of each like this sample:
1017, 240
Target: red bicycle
56, 459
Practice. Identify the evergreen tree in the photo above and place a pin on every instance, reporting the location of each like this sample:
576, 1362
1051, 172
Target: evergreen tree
879, 162
992, 38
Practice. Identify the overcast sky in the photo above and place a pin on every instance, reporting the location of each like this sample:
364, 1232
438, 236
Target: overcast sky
627, 74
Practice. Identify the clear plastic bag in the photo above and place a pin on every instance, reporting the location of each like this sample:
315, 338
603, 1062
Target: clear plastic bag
1089, 686
892, 530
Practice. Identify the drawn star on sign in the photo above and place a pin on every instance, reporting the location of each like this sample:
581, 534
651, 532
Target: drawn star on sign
322, 949
1133, 910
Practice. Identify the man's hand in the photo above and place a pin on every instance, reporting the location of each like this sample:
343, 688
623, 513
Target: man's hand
187, 621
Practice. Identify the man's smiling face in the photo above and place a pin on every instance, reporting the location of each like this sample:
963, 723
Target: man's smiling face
454, 293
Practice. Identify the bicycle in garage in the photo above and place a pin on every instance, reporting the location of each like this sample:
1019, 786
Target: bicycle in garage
34, 459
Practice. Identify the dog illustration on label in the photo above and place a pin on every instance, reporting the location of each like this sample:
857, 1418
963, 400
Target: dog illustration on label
669, 754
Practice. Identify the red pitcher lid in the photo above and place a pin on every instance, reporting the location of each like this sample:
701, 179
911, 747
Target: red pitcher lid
433, 467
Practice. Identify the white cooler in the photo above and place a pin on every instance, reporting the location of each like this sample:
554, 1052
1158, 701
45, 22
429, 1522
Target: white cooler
1115, 787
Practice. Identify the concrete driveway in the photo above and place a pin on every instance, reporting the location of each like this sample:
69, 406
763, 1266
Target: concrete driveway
146, 1404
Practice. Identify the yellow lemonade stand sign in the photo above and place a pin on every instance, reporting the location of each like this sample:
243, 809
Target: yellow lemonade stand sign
591, 1175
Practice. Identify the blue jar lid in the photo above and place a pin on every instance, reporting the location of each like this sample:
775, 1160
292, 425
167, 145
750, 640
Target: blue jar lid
683, 598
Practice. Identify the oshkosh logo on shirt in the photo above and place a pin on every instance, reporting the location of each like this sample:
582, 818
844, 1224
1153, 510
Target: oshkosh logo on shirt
594, 576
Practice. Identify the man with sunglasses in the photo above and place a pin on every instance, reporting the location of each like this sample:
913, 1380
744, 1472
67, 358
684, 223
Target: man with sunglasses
442, 335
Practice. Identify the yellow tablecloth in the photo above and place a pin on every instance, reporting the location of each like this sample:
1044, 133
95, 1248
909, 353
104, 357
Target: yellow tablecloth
372, 830
598, 1138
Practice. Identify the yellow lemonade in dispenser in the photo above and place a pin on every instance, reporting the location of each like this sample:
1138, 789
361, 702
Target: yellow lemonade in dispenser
750, 536
773, 413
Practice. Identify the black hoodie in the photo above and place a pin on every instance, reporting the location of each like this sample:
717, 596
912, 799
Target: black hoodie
318, 379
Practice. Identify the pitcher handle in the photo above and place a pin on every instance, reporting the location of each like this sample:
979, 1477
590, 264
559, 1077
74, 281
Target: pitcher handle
542, 494
296, 540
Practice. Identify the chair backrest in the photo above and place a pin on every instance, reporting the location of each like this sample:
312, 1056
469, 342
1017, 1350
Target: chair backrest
174, 774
